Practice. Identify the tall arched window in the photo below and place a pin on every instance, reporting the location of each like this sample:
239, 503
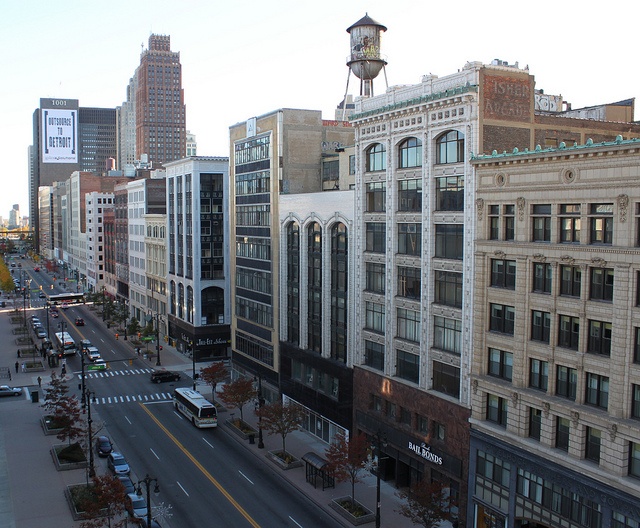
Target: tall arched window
410, 153
450, 148
314, 273
189, 304
376, 158
181, 301
339, 275
293, 283
172, 297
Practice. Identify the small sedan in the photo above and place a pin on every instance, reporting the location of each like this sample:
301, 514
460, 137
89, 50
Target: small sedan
5, 390
127, 483
79, 321
55, 314
104, 446
136, 505
118, 464
41, 333
164, 375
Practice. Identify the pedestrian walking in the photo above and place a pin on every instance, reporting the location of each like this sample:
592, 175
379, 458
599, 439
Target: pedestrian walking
18, 352
17, 366
39, 381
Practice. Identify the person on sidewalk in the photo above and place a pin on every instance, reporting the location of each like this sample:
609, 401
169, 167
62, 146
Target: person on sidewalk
17, 366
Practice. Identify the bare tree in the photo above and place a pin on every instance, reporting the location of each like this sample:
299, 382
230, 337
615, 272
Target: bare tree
281, 419
346, 459
238, 393
214, 374
428, 504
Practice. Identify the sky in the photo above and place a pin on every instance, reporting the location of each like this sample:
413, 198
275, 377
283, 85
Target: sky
244, 58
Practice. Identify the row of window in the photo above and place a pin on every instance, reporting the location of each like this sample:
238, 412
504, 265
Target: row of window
449, 195
449, 239
502, 319
503, 275
449, 149
446, 377
568, 223
418, 422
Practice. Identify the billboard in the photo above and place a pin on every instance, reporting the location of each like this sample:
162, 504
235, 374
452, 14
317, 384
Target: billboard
59, 135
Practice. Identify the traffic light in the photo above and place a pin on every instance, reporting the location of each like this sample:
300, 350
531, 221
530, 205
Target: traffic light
130, 362
117, 336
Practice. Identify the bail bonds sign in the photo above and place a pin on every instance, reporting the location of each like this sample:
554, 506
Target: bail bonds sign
59, 135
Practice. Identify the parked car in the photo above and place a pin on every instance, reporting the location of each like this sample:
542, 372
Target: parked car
164, 375
42, 295
127, 483
35, 321
136, 505
103, 446
41, 333
79, 321
5, 390
118, 464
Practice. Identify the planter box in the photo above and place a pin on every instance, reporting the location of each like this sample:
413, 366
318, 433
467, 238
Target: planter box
45, 421
78, 515
66, 466
37, 366
273, 456
243, 432
368, 516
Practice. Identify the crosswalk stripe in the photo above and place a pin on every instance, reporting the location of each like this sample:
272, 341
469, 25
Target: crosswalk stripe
133, 398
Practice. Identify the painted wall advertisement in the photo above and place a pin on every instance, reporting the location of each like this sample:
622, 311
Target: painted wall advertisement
59, 136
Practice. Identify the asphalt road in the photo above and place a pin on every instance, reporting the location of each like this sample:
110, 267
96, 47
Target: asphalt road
204, 474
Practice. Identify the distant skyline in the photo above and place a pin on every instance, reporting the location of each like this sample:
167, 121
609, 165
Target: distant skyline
248, 58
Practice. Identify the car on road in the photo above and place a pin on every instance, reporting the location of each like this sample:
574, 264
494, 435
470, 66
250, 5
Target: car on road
98, 364
136, 505
41, 333
103, 446
36, 268
42, 295
35, 320
55, 314
64, 305
79, 321
5, 390
93, 354
159, 376
118, 464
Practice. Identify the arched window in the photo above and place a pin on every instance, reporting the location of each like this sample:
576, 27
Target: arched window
339, 276
172, 297
450, 148
293, 283
189, 304
181, 301
376, 158
410, 153
314, 273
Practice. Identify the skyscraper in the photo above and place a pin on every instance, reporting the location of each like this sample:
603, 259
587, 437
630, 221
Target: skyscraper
159, 100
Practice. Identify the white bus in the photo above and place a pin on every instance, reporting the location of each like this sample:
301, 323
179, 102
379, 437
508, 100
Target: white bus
65, 343
196, 407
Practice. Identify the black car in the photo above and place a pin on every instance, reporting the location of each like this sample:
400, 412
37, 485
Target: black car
164, 375
79, 321
103, 446
127, 483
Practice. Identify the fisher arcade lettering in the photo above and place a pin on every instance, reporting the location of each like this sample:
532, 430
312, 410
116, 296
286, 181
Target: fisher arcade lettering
507, 98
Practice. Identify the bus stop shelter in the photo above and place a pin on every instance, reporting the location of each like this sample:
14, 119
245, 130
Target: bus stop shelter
317, 467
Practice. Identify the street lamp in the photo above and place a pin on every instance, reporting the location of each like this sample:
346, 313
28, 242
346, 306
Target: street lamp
87, 396
193, 362
381, 441
125, 310
260, 406
147, 480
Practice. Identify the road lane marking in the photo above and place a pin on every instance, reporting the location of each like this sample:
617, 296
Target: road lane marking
127, 419
245, 476
183, 490
205, 441
208, 475
297, 523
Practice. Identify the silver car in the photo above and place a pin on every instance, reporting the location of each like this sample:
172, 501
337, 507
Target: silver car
5, 390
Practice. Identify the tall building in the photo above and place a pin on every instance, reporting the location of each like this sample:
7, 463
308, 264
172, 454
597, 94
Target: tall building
96, 206
66, 139
192, 145
198, 275
415, 223
126, 118
281, 321
555, 378
159, 102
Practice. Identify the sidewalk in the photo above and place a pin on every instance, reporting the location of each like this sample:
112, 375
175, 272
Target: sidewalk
31, 490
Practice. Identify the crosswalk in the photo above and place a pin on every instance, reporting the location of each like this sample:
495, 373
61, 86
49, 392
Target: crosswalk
158, 397
109, 373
